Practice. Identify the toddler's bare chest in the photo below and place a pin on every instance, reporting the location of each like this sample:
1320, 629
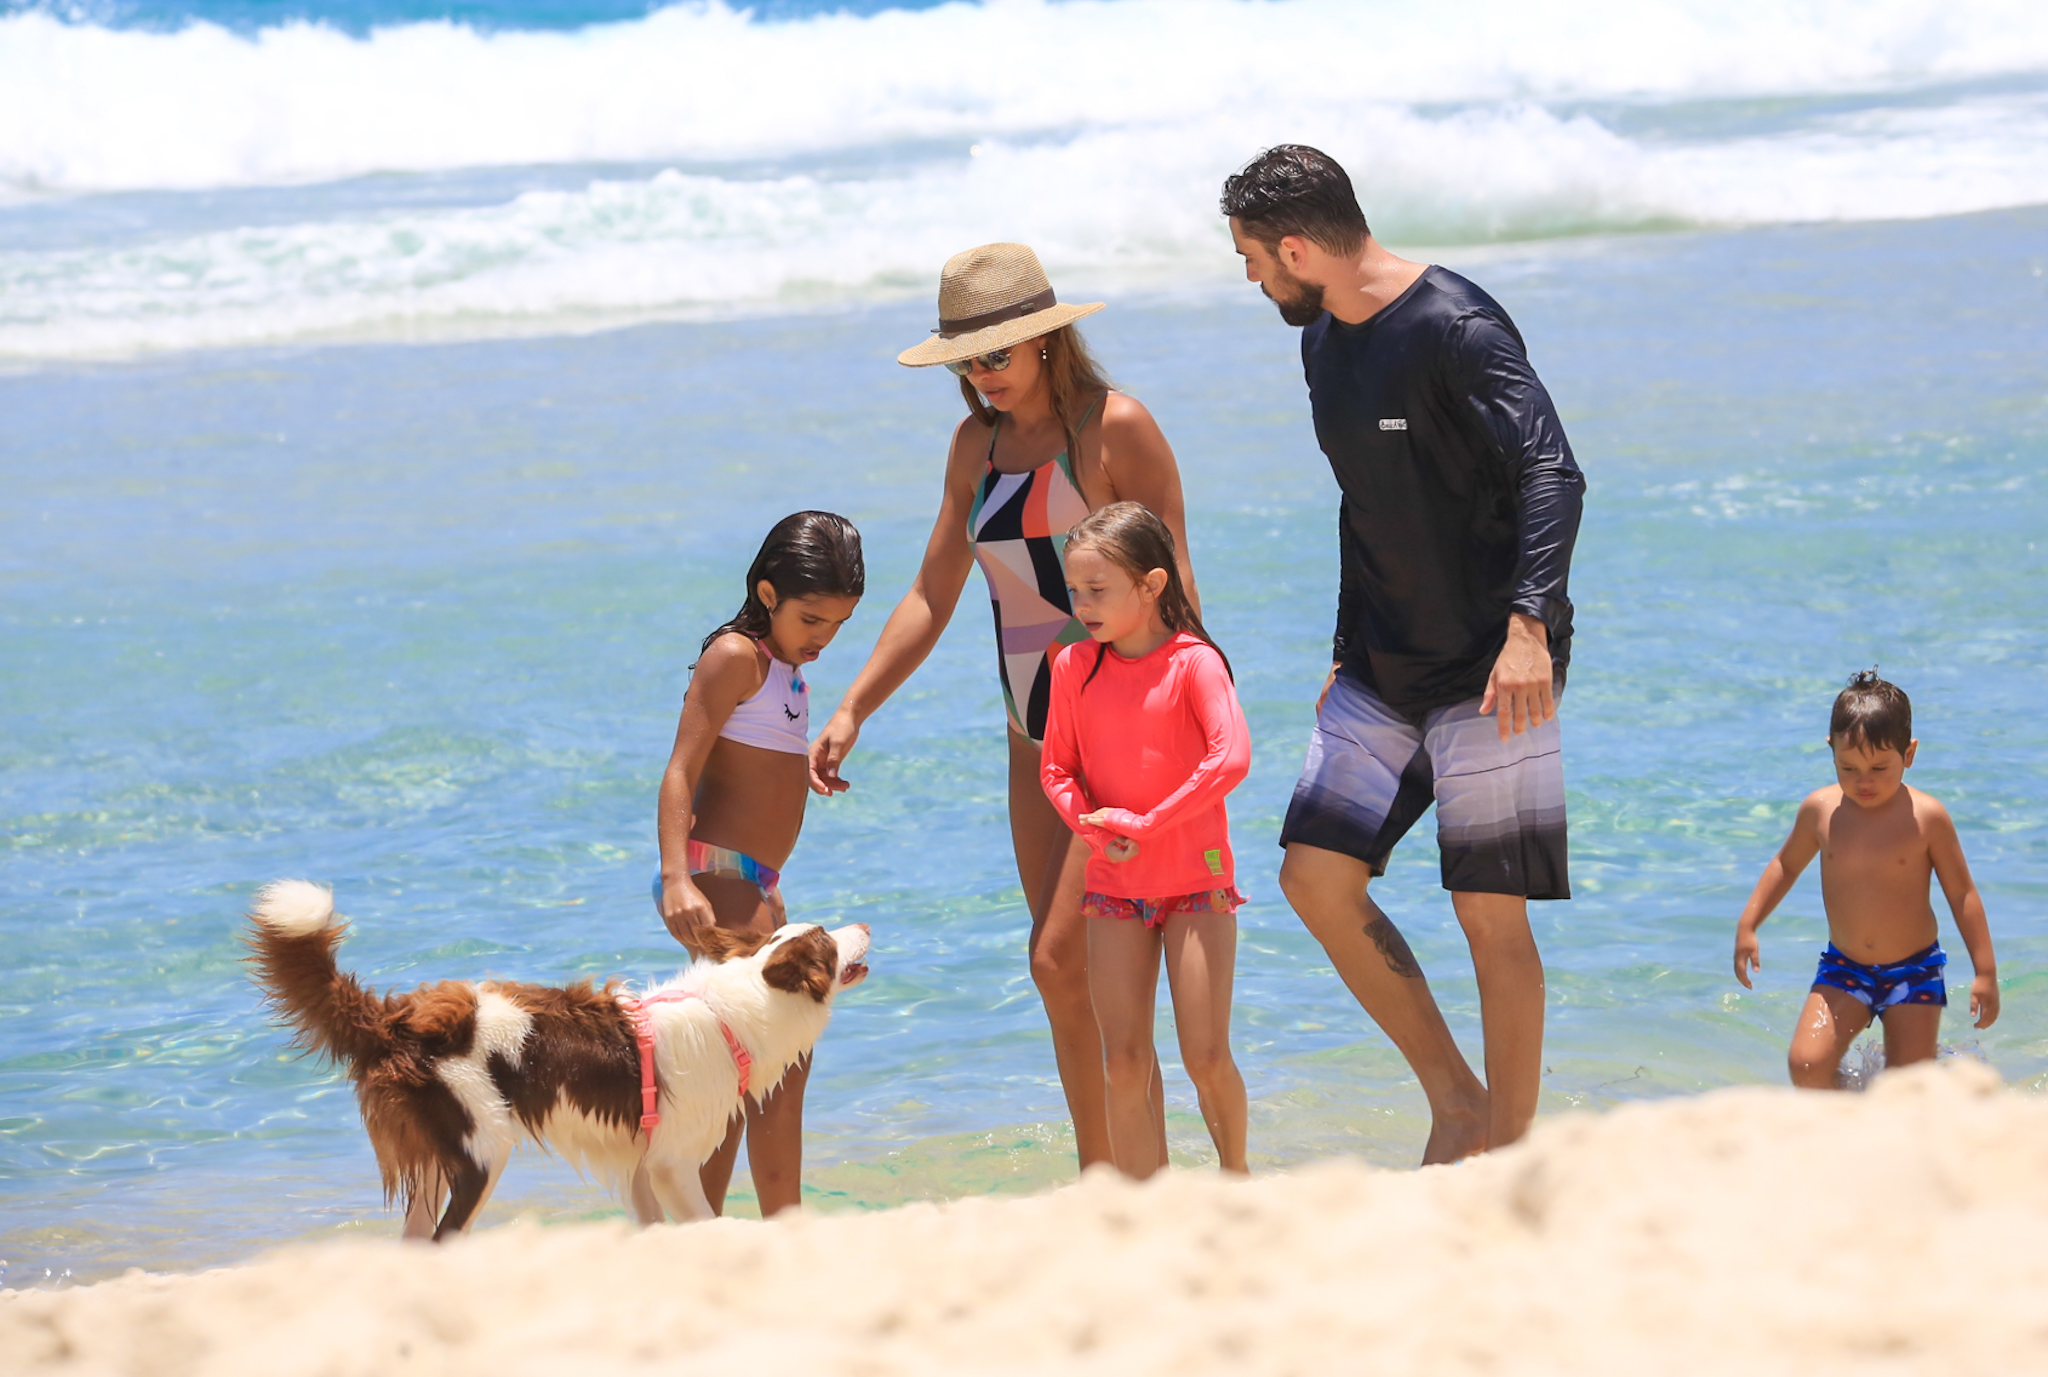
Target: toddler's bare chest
1882, 850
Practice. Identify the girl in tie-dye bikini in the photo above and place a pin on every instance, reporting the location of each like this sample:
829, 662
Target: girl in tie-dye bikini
732, 799
1880, 844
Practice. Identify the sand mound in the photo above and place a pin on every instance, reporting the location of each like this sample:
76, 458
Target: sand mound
1749, 1230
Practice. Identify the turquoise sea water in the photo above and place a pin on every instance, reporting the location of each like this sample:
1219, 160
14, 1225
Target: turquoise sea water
414, 619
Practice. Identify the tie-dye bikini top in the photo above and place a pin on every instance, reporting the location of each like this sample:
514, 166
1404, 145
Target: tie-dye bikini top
1019, 526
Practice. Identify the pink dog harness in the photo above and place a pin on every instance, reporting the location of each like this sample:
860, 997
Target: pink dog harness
643, 1033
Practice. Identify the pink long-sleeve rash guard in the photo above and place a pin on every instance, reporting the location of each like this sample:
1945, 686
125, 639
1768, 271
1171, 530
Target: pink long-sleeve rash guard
1158, 741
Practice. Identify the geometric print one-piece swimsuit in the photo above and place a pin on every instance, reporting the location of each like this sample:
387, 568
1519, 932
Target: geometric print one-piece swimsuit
1019, 526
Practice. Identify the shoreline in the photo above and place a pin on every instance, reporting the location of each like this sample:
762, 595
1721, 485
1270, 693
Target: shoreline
541, 1191
1675, 1236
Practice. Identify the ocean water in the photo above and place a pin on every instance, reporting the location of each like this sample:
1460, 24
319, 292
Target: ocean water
186, 177
392, 396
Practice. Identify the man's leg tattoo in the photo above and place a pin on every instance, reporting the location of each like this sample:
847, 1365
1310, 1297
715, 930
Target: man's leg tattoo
1393, 947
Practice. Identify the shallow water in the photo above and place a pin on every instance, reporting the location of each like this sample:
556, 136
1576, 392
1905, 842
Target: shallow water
414, 621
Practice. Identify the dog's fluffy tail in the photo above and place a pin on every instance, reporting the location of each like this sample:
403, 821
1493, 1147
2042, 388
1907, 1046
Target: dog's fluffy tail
292, 940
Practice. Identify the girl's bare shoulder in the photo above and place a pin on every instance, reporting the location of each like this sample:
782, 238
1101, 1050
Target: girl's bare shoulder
732, 660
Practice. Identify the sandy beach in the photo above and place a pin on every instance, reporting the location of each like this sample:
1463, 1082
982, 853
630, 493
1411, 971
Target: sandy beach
1754, 1230
397, 391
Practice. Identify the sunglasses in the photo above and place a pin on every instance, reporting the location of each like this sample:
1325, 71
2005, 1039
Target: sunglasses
995, 361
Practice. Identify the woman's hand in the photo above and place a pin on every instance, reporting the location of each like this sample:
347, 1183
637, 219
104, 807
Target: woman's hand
684, 909
829, 749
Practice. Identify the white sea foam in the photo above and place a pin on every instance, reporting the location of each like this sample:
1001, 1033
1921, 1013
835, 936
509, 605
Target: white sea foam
84, 107
841, 157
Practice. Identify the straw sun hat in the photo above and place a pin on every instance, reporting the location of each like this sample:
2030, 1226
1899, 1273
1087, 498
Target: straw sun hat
991, 298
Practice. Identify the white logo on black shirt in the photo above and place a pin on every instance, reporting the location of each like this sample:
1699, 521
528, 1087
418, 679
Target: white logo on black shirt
1394, 423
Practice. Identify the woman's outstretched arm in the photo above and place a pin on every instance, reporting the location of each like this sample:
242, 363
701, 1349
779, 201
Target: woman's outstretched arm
914, 627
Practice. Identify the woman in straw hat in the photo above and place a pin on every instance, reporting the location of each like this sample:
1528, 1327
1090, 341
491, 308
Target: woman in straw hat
1045, 442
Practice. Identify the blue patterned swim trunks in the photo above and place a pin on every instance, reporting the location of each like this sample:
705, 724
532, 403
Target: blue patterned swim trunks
1915, 980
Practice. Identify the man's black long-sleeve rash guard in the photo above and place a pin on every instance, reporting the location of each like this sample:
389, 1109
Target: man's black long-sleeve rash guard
1461, 497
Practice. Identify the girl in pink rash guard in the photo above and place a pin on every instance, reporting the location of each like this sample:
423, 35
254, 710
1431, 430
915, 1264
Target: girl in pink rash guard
1143, 739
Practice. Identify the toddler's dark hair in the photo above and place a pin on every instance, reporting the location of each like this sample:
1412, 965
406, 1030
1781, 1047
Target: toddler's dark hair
806, 554
1131, 536
1872, 714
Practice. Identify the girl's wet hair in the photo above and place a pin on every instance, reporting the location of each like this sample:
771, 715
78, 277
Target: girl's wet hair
806, 554
1131, 536
1872, 714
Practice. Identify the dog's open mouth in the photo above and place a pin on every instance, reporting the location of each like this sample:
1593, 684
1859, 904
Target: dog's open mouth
852, 973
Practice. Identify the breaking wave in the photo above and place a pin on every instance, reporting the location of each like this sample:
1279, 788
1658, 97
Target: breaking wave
701, 159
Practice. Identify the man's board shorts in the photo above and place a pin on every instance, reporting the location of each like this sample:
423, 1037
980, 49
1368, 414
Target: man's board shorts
1371, 773
1916, 980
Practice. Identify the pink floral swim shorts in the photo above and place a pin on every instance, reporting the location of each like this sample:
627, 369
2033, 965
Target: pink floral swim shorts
1154, 912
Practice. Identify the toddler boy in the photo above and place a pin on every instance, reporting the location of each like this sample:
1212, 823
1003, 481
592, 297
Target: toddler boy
1879, 842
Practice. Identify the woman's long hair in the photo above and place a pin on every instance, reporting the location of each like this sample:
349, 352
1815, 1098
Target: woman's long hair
1131, 536
806, 554
1073, 378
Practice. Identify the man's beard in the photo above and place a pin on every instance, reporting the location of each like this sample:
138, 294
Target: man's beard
1300, 302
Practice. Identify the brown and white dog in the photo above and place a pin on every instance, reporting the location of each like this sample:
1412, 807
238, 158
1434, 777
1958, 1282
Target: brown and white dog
451, 1077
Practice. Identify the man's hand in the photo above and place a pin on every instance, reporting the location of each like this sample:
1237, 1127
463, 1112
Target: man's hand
1749, 955
684, 909
1984, 999
1518, 692
1329, 682
829, 749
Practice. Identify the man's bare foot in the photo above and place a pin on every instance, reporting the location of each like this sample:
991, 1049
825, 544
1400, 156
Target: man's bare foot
1458, 1132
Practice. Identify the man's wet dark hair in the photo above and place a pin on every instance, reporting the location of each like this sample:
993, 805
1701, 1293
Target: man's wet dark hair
1294, 189
1872, 714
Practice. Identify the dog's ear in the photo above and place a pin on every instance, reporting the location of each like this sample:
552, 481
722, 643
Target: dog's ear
805, 965
722, 944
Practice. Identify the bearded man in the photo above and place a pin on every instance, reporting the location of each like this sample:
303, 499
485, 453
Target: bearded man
1455, 529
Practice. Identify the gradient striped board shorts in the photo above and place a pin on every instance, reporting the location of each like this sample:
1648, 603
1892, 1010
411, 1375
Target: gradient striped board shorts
1372, 773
